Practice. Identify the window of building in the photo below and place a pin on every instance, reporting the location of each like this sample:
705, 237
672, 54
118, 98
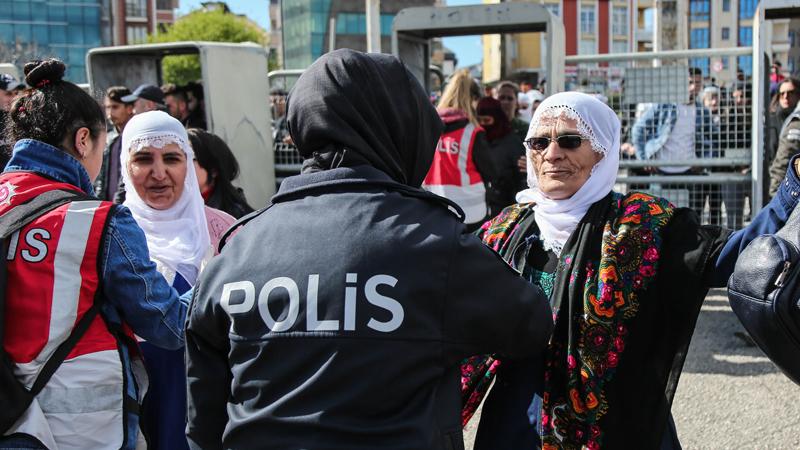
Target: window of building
726, 5
700, 63
304, 31
746, 64
745, 36
164, 4
619, 47
587, 19
745, 39
319, 22
554, 8
356, 23
136, 34
699, 10
699, 38
726, 33
619, 26
136, 8
587, 47
747, 8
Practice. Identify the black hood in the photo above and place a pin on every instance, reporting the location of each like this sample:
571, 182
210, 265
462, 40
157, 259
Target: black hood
353, 108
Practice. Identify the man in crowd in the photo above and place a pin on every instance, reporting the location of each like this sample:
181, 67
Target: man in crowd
9, 89
788, 146
525, 86
277, 101
146, 97
671, 131
781, 107
118, 112
535, 97
177, 102
775, 77
195, 98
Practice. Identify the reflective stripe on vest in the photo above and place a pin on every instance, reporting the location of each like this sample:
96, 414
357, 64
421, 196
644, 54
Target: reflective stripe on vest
453, 173
464, 157
67, 277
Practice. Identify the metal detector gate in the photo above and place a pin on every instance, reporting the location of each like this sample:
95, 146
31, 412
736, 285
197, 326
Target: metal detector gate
414, 27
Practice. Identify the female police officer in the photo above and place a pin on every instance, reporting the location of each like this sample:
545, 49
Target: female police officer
81, 254
339, 315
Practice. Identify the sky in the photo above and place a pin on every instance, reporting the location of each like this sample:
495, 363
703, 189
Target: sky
468, 49
256, 10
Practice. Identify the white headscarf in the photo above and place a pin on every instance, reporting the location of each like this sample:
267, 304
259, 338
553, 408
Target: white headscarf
177, 237
557, 219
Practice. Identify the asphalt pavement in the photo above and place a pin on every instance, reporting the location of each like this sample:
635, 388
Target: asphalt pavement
730, 395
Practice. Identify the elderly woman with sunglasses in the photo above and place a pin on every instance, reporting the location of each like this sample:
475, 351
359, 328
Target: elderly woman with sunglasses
626, 275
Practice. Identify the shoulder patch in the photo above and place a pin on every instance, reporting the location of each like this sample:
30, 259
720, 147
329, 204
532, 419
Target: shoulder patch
7, 191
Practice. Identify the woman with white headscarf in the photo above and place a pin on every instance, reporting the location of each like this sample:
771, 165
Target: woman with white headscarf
163, 196
626, 275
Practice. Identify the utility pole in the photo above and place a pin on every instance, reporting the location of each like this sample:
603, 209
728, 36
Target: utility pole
332, 34
373, 26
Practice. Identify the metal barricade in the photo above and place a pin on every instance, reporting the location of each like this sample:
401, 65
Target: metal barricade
690, 144
287, 161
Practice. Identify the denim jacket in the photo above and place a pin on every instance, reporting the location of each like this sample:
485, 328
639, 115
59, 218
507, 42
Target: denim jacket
135, 292
653, 128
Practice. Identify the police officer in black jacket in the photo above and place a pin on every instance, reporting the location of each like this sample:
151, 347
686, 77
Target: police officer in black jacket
337, 318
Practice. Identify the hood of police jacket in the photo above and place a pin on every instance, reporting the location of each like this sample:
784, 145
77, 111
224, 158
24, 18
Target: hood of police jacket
351, 108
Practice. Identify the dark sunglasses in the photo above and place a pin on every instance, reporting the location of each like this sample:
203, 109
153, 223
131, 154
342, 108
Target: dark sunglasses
565, 141
506, 98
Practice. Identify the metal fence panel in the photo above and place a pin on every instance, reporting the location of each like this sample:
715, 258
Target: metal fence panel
688, 143
287, 161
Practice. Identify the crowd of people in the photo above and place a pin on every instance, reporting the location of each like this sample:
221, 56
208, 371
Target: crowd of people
214, 161
429, 258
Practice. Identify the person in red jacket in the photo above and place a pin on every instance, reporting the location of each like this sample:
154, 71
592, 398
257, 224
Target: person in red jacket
461, 165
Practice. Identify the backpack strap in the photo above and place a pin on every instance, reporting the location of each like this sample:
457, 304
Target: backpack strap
25, 213
14, 220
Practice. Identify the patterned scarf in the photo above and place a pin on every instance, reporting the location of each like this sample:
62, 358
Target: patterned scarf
608, 262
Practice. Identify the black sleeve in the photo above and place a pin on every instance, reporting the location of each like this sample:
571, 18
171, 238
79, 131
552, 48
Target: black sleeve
512, 180
490, 308
208, 375
119, 197
482, 158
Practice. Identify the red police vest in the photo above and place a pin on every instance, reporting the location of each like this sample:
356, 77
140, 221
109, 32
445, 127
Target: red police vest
53, 276
453, 173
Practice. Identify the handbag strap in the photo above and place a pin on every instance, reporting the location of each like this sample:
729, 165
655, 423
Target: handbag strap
14, 220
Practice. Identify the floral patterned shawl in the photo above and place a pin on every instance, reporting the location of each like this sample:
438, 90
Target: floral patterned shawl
606, 265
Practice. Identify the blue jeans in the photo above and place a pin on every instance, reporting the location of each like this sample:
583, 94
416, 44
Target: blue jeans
19, 441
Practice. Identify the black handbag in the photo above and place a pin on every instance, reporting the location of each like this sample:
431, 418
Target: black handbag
15, 398
764, 292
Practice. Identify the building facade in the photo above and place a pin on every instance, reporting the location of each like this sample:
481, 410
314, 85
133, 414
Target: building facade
620, 26
35, 29
132, 20
590, 27
313, 27
32, 29
275, 32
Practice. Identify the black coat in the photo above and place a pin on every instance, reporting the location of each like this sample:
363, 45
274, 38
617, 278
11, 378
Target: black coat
382, 295
504, 153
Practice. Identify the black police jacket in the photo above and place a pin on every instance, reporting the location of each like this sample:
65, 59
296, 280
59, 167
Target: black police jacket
337, 319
